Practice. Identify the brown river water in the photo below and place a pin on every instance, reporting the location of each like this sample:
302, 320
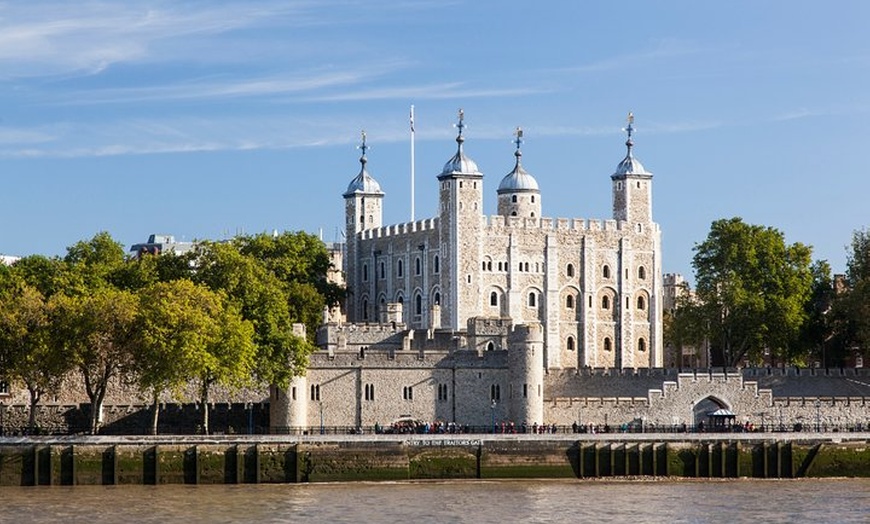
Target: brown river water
478, 501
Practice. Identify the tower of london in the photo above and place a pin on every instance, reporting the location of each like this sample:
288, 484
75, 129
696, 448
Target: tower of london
462, 317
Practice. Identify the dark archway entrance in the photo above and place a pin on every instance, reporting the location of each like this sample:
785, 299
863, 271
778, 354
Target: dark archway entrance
702, 409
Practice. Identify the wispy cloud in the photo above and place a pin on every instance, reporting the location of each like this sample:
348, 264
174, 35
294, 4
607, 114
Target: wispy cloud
439, 91
60, 38
662, 49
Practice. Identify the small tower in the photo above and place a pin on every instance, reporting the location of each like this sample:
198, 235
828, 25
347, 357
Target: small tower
460, 221
526, 369
632, 186
518, 193
363, 209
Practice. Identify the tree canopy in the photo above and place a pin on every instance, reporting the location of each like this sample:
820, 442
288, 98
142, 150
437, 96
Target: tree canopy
751, 292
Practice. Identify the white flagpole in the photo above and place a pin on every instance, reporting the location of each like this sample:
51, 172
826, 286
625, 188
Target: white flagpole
412, 162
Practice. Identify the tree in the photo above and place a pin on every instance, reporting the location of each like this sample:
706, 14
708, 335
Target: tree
97, 261
851, 309
184, 334
751, 291
97, 329
818, 330
26, 350
263, 300
300, 262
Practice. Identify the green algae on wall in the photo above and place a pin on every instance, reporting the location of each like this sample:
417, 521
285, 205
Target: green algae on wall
841, 460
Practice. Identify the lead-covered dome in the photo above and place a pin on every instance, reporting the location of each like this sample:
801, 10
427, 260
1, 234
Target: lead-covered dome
363, 182
460, 163
518, 179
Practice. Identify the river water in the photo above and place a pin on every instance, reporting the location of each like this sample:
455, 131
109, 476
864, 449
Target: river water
478, 501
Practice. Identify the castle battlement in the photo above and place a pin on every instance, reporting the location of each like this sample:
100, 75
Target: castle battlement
499, 223
392, 230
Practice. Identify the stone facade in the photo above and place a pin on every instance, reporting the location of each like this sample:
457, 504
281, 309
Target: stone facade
594, 285
476, 319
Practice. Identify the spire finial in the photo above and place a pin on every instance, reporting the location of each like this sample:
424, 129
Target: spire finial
460, 126
363, 147
518, 141
629, 130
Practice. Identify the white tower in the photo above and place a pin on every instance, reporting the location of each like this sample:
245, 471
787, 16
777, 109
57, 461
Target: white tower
363, 209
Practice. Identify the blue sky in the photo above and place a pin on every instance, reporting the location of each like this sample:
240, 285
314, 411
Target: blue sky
204, 119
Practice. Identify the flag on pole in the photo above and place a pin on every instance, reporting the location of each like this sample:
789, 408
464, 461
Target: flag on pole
412, 118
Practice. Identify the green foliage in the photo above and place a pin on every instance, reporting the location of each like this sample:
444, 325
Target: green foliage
97, 330
26, 349
851, 307
96, 261
751, 292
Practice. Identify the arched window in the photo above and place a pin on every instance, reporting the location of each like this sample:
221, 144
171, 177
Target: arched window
641, 303
365, 309
533, 199
514, 199
569, 302
437, 264
570, 270
533, 299
490, 346
418, 305
641, 345
493, 299
605, 302
489, 265
437, 299
526, 267
605, 271
570, 344
641, 273
483, 265
400, 268
513, 213
533, 214
608, 346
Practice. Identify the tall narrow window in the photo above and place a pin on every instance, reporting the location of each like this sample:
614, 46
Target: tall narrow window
641, 345
641, 273
605, 302
418, 266
570, 344
570, 270
399, 268
315, 392
533, 299
605, 272
495, 392
569, 302
493, 299
490, 346
437, 263
370, 391
418, 305
383, 270
408, 393
437, 300
641, 303
365, 272
608, 346
365, 309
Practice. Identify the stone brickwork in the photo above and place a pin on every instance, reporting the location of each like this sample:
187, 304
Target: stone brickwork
595, 285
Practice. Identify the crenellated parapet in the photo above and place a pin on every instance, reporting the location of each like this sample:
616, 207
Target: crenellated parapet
395, 230
500, 223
